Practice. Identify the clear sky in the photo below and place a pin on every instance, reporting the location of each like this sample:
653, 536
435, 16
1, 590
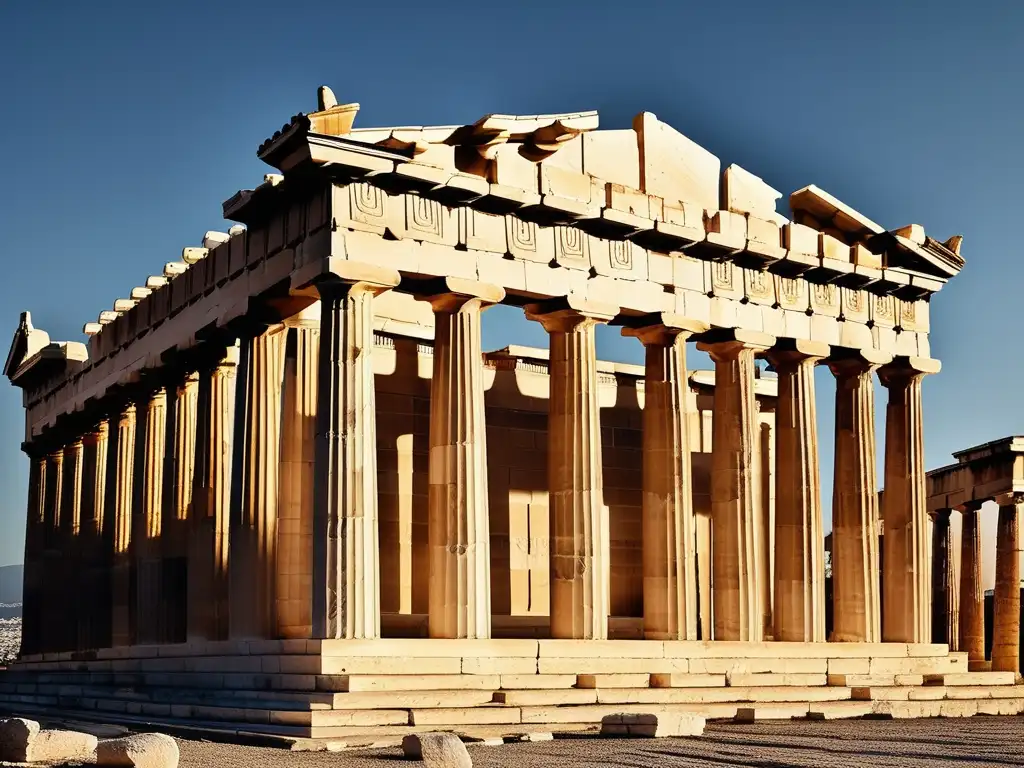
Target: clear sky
125, 125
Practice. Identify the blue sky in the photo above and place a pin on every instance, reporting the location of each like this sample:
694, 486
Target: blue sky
125, 125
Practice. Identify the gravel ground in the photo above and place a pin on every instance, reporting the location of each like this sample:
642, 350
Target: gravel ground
974, 742
10, 638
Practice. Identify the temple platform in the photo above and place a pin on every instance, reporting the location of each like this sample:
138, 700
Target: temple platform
345, 689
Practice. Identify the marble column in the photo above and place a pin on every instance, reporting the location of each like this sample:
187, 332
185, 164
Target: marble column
94, 587
211, 500
855, 591
579, 566
147, 524
907, 578
32, 598
123, 461
945, 600
972, 593
1006, 596
736, 512
346, 558
253, 536
180, 484
50, 623
669, 526
67, 573
799, 614
458, 527
298, 453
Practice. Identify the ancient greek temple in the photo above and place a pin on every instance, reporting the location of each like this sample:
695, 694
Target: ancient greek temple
993, 472
286, 471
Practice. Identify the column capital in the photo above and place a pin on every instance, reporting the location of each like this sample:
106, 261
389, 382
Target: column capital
788, 353
661, 329
845, 362
973, 505
450, 294
338, 274
565, 313
727, 343
903, 369
940, 515
1011, 499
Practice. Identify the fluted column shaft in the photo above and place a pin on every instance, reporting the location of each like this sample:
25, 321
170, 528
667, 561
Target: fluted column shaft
346, 557
669, 535
94, 582
123, 460
458, 524
66, 575
907, 578
298, 453
32, 598
799, 612
1006, 596
945, 600
148, 519
855, 591
736, 514
50, 579
972, 594
253, 536
209, 540
579, 567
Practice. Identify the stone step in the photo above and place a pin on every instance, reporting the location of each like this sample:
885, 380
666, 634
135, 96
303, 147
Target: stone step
775, 711
687, 680
972, 678
518, 682
771, 679
918, 666
473, 716
536, 698
637, 680
367, 683
554, 716
866, 681
416, 699
899, 693
727, 694
984, 692
839, 710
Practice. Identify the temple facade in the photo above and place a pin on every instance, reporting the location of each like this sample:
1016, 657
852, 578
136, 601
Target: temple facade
292, 442
993, 472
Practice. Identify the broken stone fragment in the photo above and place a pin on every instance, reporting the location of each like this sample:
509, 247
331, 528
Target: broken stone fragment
440, 750
660, 725
16, 735
61, 747
141, 750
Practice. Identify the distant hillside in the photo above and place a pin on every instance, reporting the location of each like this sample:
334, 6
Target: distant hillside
10, 583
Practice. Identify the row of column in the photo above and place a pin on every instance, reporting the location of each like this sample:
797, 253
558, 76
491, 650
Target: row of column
306, 473
958, 592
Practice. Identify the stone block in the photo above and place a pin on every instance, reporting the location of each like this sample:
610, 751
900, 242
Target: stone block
774, 679
497, 715
418, 699
16, 737
920, 665
599, 666
142, 750
360, 717
783, 711
653, 725
686, 680
439, 750
839, 710
727, 694
636, 680
899, 693
971, 678
536, 682
601, 649
743, 192
499, 666
984, 692
368, 683
674, 167
540, 698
